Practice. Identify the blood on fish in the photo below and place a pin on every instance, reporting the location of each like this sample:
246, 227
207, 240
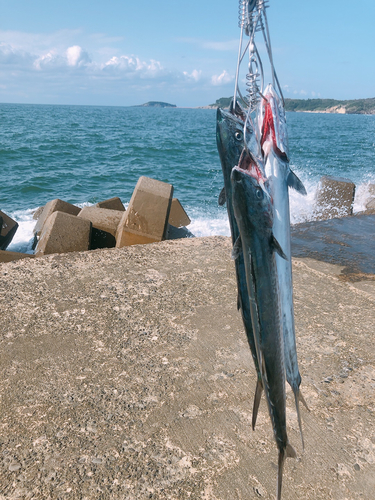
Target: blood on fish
248, 164
268, 130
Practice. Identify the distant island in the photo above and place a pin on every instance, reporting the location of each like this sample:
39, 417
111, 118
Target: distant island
355, 106
156, 104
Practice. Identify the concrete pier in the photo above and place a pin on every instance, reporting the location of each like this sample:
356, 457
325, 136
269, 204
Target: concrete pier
125, 373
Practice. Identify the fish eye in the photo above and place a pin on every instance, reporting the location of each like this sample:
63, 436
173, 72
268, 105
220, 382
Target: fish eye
238, 136
259, 193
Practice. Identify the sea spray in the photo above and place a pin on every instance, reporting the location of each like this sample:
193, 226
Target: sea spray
85, 154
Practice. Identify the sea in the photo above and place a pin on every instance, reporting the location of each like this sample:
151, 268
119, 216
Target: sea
86, 154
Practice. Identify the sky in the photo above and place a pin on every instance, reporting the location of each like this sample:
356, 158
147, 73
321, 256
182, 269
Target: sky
122, 52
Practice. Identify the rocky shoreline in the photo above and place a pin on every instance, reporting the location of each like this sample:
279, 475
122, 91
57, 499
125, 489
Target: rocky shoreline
354, 106
125, 373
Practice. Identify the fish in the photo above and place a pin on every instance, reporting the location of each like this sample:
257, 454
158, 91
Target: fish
273, 135
230, 143
253, 210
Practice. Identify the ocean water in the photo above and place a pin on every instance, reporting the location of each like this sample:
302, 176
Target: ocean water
85, 154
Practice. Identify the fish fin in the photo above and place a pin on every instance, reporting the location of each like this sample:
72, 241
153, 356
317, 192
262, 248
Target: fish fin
237, 248
277, 248
302, 399
294, 182
238, 301
288, 451
257, 396
222, 197
297, 400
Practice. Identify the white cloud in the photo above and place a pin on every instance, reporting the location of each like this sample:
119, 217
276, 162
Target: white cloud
221, 79
195, 75
66, 62
76, 56
13, 56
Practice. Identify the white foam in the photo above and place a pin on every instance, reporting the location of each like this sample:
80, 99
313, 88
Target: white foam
212, 222
202, 226
23, 239
303, 208
362, 197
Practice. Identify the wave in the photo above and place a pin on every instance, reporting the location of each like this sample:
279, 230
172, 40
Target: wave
205, 220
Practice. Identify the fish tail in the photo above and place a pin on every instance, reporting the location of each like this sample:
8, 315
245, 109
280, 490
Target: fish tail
288, 451
257, 396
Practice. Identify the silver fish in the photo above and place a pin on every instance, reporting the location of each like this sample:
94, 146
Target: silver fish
274, 144
230, 142
253, 210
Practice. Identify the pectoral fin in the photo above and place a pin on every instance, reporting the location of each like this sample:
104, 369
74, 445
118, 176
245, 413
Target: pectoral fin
222, 197
237, 248
294, 182
277, 248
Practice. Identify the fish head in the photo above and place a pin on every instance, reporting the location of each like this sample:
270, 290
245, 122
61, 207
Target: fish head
251, 196
230, 137
272, 127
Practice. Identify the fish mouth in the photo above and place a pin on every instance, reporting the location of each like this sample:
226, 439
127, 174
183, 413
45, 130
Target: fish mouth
249, 166
268, 139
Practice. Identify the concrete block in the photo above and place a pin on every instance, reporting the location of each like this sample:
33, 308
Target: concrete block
38, 212
146, 218
8, 256
62, 233
54, 206
370, 206
335, 197
8, 228
177, 216
112, 204
102, 218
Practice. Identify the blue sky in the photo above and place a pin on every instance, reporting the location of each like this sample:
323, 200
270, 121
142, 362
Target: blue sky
122, 52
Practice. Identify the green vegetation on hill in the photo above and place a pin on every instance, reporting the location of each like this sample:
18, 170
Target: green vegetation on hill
157, 104
223, 102
355, 106
311, 104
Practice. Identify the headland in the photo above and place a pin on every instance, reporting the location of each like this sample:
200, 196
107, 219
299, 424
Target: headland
353, 106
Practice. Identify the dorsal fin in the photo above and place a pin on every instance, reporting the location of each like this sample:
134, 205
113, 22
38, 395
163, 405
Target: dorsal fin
277, 248
294, 182
222, 197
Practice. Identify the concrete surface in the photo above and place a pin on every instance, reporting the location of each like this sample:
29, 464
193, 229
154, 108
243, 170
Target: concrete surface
8, 228
335, 197
348, 241
104, 219
112, 204
52, 206
8, 256
146, 218
63, 232
125, 374
177, 215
